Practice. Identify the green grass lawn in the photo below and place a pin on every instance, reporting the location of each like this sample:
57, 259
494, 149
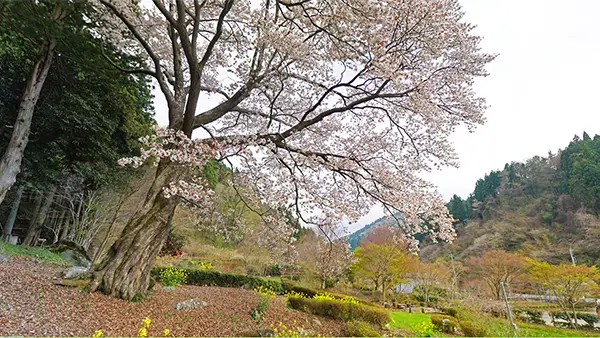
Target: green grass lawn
409, 321
497, 327
40, 253
500, 328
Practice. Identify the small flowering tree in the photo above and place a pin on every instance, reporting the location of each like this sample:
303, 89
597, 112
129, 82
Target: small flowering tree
331, 106
331, 259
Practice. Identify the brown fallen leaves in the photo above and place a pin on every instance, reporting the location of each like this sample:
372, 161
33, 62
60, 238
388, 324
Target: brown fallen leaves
31, 304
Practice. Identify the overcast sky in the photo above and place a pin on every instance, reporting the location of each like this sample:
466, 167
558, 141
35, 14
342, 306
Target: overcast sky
542, 89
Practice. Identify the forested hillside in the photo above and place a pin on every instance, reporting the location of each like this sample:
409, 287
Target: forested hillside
541, 208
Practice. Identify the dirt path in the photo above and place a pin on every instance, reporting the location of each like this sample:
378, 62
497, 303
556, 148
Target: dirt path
32, 305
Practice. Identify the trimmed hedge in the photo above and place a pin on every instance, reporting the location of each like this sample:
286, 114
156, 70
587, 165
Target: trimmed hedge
471, 329
215, 278
446, 324
341, 310
355, 328
450, 311
310, 293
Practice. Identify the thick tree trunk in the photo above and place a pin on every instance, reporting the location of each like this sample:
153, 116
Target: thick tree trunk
35, 228
38, 199
10, 164
14, 209
125, 272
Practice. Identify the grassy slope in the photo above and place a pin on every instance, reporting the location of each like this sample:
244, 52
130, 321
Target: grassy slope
409, 321
41, 253
498, 327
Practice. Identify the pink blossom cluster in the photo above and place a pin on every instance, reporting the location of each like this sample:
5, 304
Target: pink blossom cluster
174, 146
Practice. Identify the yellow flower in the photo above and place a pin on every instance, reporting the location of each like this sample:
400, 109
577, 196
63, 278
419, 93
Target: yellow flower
166, 332
146, 322
143, 332
98, 334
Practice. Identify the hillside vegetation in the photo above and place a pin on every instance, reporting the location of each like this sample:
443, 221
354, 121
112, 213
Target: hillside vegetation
541, 208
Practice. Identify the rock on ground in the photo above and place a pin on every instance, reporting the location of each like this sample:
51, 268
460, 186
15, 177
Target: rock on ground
75, 258
4, 258
190, 304
76, 272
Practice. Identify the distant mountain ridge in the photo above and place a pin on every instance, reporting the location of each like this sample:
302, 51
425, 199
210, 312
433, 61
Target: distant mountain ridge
356, 237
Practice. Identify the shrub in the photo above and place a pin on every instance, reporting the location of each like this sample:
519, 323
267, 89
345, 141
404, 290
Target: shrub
172, 277
355, 328
294, 294
311, 293
173, 246
215, 278
530, 316
471, 329
462, 311
273, 270
328, 296
265, 291
308, 292
450, 311
446, 324
341, 310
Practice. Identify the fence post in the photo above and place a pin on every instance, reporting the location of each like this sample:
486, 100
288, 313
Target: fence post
512, 324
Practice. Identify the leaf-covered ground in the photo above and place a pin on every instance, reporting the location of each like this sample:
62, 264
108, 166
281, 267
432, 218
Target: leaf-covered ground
31, 304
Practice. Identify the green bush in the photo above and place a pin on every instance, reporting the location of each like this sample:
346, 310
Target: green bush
355, 328
450, 311
172, 277
471, 329
341, 310
530, 316
272, 270
215, 278
308, 292
446, 324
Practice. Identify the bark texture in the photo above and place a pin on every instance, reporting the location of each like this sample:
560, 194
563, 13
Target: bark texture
125, 271
14, 209
10, 164
38, 222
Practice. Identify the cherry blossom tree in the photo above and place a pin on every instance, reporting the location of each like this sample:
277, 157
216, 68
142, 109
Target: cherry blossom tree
331, 259
332, 106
